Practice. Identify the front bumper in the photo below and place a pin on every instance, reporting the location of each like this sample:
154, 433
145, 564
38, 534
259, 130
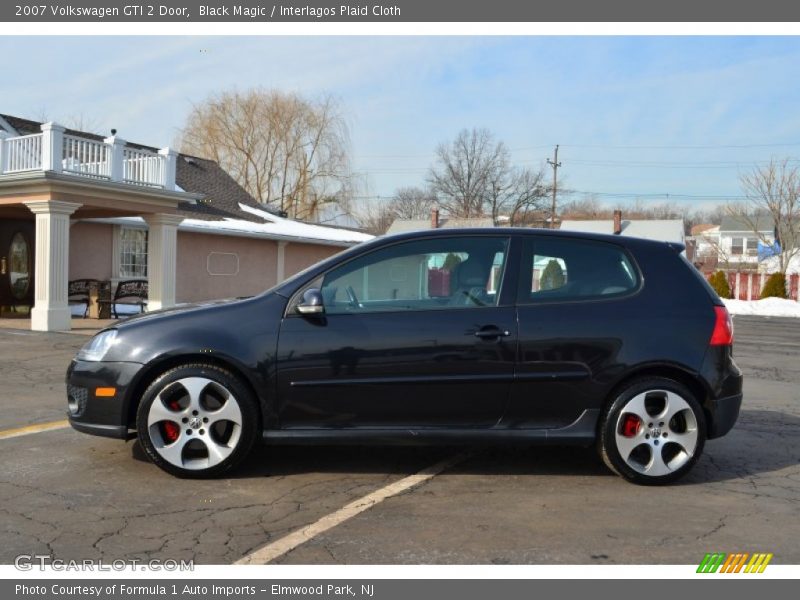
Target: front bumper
100, 415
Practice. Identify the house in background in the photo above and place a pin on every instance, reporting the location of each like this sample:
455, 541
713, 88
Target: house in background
437, 222
739, 239
662, 230
75, 205
702, 246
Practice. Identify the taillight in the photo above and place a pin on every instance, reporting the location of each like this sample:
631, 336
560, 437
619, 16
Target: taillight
723, 328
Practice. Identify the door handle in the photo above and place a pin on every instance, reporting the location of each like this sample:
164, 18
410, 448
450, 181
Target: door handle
492, 332
3, 266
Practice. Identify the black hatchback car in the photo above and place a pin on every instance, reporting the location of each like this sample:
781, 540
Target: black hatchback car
456, 336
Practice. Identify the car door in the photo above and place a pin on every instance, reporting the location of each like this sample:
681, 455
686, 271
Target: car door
576, 304
419, 333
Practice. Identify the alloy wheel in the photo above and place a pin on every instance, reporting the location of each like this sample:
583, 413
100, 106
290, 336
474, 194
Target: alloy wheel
656, 433
194, 423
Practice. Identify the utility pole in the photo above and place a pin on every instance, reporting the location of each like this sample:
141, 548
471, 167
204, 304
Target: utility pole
555, 164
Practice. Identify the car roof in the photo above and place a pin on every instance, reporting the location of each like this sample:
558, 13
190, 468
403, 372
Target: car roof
622, 240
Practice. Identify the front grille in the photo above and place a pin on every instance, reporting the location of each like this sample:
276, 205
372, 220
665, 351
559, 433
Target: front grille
76, 400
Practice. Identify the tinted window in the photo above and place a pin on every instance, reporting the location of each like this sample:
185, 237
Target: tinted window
564, 269
458, 272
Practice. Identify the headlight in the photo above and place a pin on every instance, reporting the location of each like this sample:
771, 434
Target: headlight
98, 346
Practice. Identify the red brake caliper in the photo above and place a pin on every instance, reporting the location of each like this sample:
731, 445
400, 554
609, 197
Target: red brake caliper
172, 430
630, 425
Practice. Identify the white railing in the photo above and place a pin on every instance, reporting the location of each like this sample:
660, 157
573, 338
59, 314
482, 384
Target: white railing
81, 156
142, 167
22, 153
110, 160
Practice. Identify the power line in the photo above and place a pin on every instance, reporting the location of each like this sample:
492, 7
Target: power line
684, 147
614, 146
657, 195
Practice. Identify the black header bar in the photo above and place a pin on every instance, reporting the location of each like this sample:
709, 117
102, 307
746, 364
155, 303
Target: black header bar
399, 11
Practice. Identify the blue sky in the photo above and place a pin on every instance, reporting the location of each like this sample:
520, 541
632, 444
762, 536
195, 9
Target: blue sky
645, 116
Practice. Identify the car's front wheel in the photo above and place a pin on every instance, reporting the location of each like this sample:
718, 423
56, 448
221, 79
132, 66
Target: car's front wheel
653, 431
197, 420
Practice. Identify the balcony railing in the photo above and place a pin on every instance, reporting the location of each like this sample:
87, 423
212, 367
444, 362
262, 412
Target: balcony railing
22, 154
108, 160
143, 167
89, 158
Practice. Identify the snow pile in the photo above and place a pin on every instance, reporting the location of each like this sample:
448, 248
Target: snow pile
768, 307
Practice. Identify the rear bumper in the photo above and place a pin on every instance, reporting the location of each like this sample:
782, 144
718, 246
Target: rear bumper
724, 384
105, 416
726, 412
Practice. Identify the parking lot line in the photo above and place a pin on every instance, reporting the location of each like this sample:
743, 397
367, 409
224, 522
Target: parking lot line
31, 429
291, 541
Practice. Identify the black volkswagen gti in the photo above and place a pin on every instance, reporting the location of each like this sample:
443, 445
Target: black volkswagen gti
456, 336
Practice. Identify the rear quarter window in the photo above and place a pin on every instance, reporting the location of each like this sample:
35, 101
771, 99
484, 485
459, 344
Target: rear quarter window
563, 270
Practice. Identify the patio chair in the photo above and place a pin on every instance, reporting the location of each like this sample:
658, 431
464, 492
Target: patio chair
132, 292
78, 292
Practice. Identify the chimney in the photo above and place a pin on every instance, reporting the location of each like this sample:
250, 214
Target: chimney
617, 222
435, 217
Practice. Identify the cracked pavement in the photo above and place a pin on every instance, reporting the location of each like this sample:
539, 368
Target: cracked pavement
80, 497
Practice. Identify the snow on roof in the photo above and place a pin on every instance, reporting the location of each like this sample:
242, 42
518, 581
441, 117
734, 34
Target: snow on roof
662, 230
291, 228
274, 227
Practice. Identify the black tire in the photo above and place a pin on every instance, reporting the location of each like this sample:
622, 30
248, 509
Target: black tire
240, 441
611, 422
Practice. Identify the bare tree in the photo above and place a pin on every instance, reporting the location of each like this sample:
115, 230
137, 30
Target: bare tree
589, 207
412, 203
85, 123
772, 190
374, 215
464, 171
287, 151
526, 194
473, 176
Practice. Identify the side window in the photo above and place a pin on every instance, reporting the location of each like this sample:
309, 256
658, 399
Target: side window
560, 269
457, 272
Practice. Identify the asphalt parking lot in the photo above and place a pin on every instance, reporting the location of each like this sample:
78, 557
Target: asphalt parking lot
78, 497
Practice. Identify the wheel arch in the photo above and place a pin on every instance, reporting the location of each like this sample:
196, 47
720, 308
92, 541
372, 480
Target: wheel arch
679, 373
160, 365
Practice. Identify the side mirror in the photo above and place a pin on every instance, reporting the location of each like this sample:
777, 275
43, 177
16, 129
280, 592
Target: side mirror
312, 303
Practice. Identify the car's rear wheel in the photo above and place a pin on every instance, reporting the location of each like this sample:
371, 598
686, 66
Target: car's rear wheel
197, 420
653, 431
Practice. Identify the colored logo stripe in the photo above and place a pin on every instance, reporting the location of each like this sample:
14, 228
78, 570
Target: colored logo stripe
711, 562
733, 563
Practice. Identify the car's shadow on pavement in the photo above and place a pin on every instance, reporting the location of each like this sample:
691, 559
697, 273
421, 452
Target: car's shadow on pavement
762, 441
282, 461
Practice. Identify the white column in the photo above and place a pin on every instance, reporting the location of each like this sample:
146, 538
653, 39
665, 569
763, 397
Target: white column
281, 268
51, 271
170, 160
161, 259
52, 147
116, 157
3, 136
